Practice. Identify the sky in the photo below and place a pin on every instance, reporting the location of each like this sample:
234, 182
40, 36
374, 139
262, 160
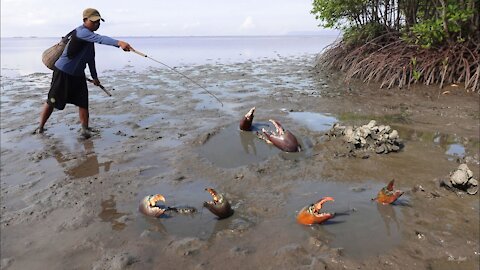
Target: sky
52, 18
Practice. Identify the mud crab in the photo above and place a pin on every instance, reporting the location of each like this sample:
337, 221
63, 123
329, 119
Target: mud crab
311, 214
219, 206
282, 139
246, 122
387, 195
148, 206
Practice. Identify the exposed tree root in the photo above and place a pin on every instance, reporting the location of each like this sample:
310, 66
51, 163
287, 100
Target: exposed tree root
392, 62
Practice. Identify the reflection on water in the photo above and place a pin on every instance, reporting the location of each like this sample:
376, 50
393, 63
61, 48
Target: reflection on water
231, 148
314, 121
456, 149
110, 214
223, 149
360, 227
451, 144
86, 164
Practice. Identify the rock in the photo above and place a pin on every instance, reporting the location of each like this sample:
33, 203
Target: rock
462, 179
459, 177
473, 189
380, 139
371, 124
393, 135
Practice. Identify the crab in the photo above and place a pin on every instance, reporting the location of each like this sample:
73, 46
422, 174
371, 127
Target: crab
219, 205
148, 206
311, 214
387, 195
281, 138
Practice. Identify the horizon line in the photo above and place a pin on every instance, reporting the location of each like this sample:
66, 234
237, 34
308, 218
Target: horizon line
187, 36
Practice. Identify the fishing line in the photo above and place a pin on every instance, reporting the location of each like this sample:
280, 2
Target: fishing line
178, 72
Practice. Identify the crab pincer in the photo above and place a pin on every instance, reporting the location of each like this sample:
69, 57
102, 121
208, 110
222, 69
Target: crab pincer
311, 214
281, 138
219, 205
148, 206
246, 122
387, 195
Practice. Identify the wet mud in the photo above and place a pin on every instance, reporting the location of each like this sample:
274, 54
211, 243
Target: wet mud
73, 203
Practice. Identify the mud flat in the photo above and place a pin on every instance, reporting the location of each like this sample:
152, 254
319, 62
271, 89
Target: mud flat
69, 203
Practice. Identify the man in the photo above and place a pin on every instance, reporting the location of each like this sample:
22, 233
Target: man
69, 83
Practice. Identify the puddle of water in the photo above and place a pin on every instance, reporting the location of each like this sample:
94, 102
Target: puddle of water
361, 227
110, 214
456, 150
452, 145
201, 224
314, 121
224, 149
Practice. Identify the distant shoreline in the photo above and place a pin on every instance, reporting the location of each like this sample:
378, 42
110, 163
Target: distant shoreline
293, 34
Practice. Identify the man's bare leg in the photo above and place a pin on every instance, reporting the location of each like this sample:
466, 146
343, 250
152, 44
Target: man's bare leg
44, 115
84, 117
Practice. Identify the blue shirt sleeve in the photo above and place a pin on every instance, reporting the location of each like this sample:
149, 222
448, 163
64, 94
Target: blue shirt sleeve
87, 35
77, 65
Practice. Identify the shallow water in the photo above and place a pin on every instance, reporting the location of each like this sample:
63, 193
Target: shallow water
201, 224
361, 227
232, 147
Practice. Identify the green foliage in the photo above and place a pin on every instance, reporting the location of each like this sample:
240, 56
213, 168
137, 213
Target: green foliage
432, 32
362, 34
426, 34
423, 22
339, 14
416, 74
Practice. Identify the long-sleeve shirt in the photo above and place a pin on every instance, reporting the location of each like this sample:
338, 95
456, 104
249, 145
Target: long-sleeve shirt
76, 65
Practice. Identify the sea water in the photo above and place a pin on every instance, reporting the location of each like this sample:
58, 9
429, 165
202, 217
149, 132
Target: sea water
22, 56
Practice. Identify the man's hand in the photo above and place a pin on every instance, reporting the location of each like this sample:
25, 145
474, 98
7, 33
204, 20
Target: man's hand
125, 46
96, 82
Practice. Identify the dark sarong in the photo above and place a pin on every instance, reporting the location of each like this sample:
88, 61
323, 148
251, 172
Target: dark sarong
66, 88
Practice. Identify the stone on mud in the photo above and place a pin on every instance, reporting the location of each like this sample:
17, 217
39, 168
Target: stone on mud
370, 137
461, 179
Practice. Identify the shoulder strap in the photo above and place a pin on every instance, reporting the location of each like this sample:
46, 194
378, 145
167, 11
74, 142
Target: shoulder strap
69, 34
66, 37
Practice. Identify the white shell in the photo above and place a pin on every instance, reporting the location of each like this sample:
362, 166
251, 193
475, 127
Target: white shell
459, 177
393, 135
371, 124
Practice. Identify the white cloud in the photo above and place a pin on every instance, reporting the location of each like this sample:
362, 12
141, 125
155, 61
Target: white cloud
247, 24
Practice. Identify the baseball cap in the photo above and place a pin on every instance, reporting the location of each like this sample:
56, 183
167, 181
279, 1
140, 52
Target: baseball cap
92, 14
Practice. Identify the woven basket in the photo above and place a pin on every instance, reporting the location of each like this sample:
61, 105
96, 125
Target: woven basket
51, 55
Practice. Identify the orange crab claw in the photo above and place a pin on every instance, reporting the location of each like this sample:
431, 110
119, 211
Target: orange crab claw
311, 214
148, 205
246, 122
387, 195
219, 206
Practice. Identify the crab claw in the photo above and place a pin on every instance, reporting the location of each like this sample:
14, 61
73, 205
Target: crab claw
387, 195
219, 205
281, 138
311, 214
246, 122
148, 206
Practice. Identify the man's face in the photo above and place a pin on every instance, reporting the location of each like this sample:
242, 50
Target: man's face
92, 25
